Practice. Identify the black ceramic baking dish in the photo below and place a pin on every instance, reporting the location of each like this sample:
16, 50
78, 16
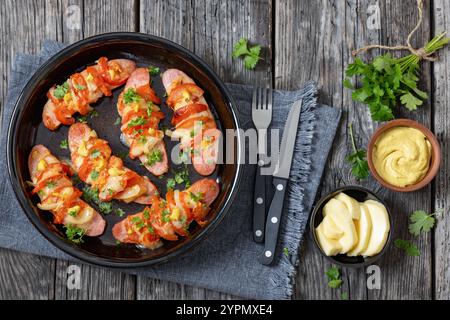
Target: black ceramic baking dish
26, 130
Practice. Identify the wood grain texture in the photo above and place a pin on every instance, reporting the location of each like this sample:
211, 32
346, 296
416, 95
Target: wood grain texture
209, 28
24, 25
303, 40
441, 101
323, 34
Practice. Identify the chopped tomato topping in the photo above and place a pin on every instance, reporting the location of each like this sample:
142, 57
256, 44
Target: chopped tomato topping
148, 94
187, 92
98, 80
207, 123
188, 110
80, 89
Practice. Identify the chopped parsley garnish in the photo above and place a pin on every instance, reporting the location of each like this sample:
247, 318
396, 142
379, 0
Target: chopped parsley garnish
118, 121
153, 70
64, 144
146, 213
120, 212
150, 229
135, 220
75, 179
182, 176
91, 195
40, 193
149, 108
95, 153
171, 183
142, 139
72, 212
82, 119
131, 96
60, 91
93, 113
105, 207
165, 215
154, 157
79, 87
139, 121
94, 174
122, 155
74, 233
51, 184
196, 196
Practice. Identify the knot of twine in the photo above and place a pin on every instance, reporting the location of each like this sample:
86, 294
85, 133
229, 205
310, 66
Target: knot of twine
421, 52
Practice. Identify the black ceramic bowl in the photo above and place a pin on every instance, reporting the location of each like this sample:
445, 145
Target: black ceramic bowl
26, 130
361, 194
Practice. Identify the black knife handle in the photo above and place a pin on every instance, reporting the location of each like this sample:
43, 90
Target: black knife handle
259, 206
273, 221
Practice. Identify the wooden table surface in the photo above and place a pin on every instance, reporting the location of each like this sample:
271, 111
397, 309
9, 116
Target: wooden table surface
303, 40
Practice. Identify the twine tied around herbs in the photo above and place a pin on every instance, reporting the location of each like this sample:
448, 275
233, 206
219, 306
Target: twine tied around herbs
421, 52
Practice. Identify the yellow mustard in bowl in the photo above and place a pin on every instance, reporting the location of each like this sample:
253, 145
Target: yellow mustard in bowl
401, 156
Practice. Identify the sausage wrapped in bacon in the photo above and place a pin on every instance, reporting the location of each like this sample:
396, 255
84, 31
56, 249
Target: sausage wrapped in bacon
52, 184
170, 218
84, 88
193, 120
92, 159
138, 107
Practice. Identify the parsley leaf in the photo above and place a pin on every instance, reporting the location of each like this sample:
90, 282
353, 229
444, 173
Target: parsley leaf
360, 167
118, 121
421, 221
60, 91
334, 277
286, 252
94, 175
171, 183
105, 207
251, 55
64, 144
154, 157
139, 121
91, 195
74, 233
153, 70
120, 212
409, 248
387, 81
131, 96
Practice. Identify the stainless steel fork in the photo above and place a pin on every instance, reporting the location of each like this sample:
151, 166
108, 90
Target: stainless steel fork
262, 117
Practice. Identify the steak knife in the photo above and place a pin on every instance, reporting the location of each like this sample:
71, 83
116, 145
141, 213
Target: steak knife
280, 180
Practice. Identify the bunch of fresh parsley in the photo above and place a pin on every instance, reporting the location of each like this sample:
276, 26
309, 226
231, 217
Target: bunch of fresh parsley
251, 54
386, 81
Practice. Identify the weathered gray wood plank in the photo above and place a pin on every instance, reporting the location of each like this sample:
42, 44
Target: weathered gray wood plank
314, 41
209, 28
97, 17
441, 100
24, 25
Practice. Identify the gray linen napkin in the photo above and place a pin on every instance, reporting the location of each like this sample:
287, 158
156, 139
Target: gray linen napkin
225, 261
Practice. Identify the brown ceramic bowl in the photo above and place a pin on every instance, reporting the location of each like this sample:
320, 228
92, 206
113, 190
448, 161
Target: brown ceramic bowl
435, 155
